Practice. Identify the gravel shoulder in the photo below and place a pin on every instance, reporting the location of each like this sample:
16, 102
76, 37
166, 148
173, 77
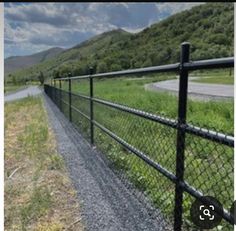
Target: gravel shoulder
200, 91
106, 203
23, 93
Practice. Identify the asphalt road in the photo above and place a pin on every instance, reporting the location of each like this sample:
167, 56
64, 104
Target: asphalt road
196, 90
29, 91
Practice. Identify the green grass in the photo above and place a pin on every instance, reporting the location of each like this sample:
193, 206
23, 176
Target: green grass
216, 79
10, 88
40, 186
30, 142
208, 166
132, 93
13, 88
221, 76
39, 203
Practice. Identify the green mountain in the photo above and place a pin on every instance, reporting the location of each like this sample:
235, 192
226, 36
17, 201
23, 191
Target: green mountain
208, 27
14, 63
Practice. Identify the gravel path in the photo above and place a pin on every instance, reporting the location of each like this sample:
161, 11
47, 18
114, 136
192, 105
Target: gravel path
202, 91
29, 91
106, 203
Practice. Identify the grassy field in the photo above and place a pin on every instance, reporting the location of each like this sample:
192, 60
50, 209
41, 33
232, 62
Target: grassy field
216, 80
216, 77
208, 165
132, 93
38, 193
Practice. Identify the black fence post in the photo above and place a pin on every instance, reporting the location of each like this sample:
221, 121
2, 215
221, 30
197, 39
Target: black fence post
91, 106
70, 115
51, 92
182, 108
56, 93
60, 95
54, 90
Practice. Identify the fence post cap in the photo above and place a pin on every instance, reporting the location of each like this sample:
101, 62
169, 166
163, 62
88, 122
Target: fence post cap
185, 44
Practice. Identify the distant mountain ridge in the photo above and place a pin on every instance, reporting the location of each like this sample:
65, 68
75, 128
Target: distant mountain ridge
208, 27
15, 63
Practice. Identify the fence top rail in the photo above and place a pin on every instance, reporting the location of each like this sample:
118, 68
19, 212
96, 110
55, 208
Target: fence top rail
192, 65
210, 63
145, 70
74, 77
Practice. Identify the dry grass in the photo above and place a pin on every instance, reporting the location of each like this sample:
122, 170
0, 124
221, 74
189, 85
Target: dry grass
38, 193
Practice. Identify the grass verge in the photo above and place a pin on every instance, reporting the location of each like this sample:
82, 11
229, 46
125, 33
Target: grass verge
215, 77
10, 88
13, 88
38, 193
216, 80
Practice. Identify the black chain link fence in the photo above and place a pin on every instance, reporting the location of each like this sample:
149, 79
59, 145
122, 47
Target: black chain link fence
141, 148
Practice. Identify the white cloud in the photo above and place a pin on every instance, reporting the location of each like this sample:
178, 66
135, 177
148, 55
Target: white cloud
34, 26
173, 8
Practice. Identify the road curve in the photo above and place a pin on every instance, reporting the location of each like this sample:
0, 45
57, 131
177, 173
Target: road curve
29, 91
196, 90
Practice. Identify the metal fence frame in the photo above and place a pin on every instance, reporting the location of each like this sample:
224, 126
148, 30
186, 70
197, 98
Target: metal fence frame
183, 68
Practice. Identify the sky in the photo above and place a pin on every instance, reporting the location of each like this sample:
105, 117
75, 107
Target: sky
34, 27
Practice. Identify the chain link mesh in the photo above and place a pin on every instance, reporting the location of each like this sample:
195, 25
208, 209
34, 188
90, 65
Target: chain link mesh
208, 164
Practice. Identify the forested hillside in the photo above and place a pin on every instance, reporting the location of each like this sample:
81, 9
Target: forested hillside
208, 27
